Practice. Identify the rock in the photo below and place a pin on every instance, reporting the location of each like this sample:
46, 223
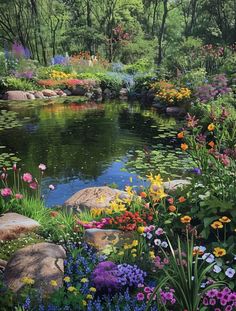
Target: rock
60, 93
30, 96
12, 225
107, 93
3, 264
39, 94
101, 238
15, 95
159, 105
42, 262
123, 93
67, 92
174, 184
97, 94
94, 197
176, 111
49, 93
78, 90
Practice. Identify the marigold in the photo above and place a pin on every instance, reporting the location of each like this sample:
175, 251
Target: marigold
184, 147
181, 199
225, 219
172, 208
185, 219
219, 252
216, 225
211, 127
180, 135
143, 194
211, 144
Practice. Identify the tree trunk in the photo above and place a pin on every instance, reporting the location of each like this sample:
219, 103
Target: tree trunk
161, 33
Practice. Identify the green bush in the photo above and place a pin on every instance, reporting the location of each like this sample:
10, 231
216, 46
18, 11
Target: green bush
193, 78
12, 83
140, 66
112, 81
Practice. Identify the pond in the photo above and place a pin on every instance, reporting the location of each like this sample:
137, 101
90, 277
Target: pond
93, 144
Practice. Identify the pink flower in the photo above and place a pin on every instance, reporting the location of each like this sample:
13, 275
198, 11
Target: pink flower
42, 167
6, 192
33, 185
51, 187
18, 196
140, 296
27, 177
14, 167
3, 176
159, 231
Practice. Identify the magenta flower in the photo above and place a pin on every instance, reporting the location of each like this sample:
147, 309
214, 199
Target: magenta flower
14, 167
140, 296
159, 231
42, 167
27, 177
6, 192
147, 290
33, 185
18, 196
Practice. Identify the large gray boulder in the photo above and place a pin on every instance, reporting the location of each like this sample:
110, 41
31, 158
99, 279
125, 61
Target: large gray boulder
15, 95
43, 262
12, 225
177, 183
95, 197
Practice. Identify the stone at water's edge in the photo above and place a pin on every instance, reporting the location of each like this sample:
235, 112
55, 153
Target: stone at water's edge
101, 238
15, 95
174, 184
49, 93
3, 264
12, 225
43, 262
94, 197
176, 111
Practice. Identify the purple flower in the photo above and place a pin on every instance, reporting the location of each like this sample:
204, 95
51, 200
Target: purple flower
230, 273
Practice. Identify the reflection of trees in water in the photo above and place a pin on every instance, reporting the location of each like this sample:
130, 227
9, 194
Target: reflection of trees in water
74, 142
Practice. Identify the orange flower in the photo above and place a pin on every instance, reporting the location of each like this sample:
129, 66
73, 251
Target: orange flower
143, 194
211, 127
211, 144
184, 147
180, 135
225, 219
172, 208
54, 214
182, 199
185, 219
216, 225
171, 200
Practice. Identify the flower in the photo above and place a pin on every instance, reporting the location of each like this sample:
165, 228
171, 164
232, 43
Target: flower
53, 283
143, 194
208, 257
89, 296
172, 208
180, 135
230, 273
164, 244
141, 229
181, 199
211, 127
159, 231
224, 219
67, 279
84, 280
219, 252
14, 167
27, 177
217, 269
6, 192
185, 219
184, 147
27, 280
33, 185
140, 296
211, 144
71, 289
19, 196
42, 167
51, 187
93, 289
216, 225
54, 213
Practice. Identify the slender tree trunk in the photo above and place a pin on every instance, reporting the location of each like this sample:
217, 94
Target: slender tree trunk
161, 33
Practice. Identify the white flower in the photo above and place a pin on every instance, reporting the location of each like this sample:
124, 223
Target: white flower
217, 269
203, 285
208, 257
157, 242
164, 244
42, 167
51, 187
230, 272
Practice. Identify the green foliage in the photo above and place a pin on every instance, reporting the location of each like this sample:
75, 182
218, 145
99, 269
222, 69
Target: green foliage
112, 82
12, 83
193, 78
142, 65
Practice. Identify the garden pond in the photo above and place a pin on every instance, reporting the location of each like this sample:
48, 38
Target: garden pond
90, 144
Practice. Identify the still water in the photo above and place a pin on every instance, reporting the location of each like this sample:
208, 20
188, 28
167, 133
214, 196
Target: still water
85, 145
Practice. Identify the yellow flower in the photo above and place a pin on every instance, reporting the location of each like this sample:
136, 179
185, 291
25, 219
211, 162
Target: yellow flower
28, 281
67, 279
71, 289
152, 254
225, 219
89, 296
211, 127
216, 225
185, 219
53, 283
135, 243
219, 252
129, 190
134, 255
84, 303
134, 250
141, 229
93, 289
157, 180
121, 253
84, 280
184, 147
